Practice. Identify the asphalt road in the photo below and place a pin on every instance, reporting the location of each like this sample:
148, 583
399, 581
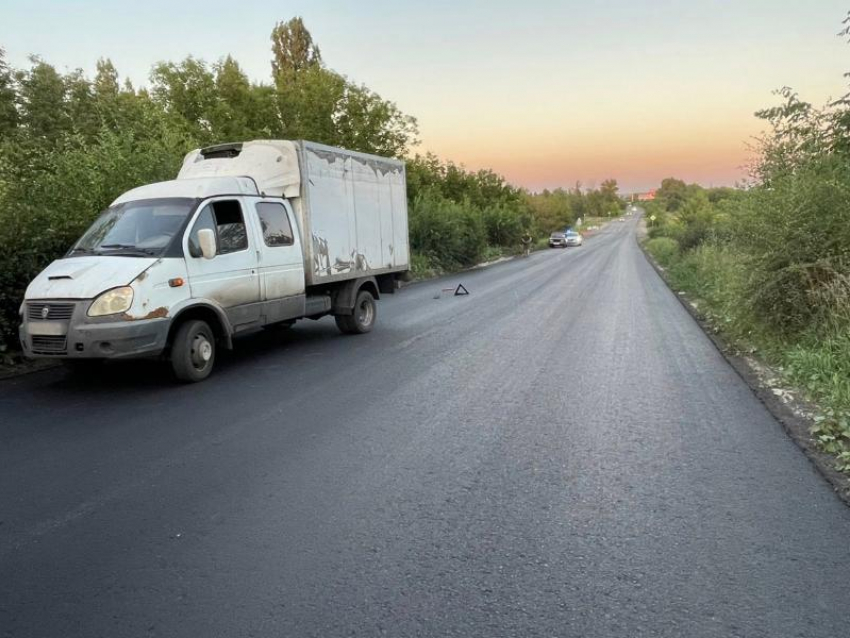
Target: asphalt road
560, 453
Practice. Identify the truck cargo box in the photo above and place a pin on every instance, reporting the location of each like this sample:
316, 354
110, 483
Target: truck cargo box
351, 207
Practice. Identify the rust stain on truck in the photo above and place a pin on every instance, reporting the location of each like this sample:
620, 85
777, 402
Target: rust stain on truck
157, 313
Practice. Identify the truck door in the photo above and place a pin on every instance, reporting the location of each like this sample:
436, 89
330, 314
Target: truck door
281, 262
230, 278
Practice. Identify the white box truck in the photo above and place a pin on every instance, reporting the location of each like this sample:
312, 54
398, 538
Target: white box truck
248, 235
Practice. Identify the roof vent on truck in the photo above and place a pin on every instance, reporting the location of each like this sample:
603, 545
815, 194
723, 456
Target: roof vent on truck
222, 151
272, 164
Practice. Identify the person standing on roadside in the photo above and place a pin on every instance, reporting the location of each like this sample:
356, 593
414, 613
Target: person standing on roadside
526, 243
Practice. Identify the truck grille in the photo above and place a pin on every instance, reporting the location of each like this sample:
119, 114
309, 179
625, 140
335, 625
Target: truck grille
42, 344
55, 311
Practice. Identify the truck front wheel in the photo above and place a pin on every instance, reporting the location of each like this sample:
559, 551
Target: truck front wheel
193, 351
362, 317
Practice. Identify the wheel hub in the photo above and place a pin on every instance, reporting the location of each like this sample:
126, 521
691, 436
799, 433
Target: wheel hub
365, 314
201, 352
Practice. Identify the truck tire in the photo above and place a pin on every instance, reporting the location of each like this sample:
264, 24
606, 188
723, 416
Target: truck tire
362, 317
193, 351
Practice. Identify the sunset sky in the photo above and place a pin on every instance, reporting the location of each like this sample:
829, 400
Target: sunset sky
545, 92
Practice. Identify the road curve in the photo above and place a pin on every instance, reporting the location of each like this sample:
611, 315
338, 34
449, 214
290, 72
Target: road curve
560, 453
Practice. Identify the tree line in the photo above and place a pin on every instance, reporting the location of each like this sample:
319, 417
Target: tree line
70, 144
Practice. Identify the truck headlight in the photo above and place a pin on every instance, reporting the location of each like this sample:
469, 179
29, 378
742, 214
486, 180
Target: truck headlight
112, 302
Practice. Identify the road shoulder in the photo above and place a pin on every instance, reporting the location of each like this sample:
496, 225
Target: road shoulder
794, 414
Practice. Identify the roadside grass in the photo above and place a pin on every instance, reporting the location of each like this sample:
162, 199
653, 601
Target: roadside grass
824, 365
832, 431
815, 363
492, 253
822, 368
664, 249
423, 266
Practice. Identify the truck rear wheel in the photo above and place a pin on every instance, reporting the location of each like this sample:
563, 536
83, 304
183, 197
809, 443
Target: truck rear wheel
362, 317
193, 351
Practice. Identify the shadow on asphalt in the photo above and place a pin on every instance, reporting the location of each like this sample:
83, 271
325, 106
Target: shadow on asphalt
130, 377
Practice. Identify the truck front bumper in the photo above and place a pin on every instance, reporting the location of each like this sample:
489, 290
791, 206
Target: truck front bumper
94, 340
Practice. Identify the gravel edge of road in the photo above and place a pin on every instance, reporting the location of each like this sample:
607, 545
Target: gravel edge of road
796, 426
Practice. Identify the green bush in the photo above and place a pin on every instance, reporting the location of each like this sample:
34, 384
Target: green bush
696, 221
717, 276
797, 236
664, 249
423, 267
48, 197
451, 234
504, 225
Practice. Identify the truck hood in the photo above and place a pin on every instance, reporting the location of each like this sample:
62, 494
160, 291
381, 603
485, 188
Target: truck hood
86, 277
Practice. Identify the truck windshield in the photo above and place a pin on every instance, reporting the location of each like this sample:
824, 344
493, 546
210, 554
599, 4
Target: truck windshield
139, 228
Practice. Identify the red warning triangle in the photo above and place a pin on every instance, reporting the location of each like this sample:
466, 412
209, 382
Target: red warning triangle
461, 291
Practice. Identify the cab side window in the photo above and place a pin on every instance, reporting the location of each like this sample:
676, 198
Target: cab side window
275, 224
230, 225
226, 220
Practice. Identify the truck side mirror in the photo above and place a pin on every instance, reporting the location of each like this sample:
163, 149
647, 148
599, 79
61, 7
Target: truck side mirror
206, 238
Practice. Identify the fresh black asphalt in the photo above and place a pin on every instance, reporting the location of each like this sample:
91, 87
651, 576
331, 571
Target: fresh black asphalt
560, 453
